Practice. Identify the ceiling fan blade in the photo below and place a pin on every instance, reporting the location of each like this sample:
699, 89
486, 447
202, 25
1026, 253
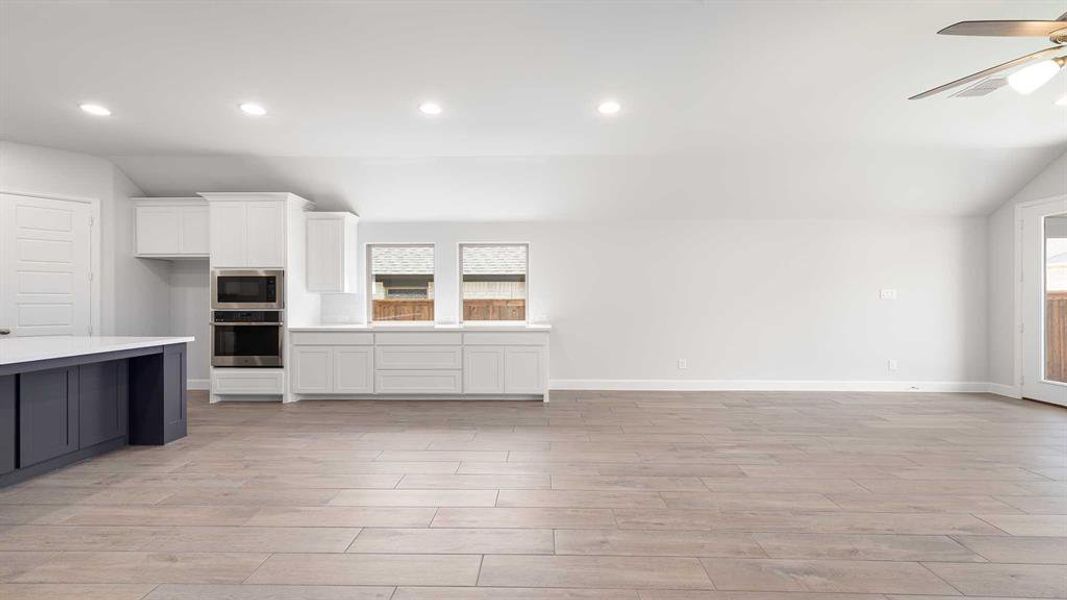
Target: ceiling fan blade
1005, 28
1022, 60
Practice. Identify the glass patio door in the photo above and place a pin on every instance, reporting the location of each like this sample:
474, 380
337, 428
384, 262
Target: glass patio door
1044, 301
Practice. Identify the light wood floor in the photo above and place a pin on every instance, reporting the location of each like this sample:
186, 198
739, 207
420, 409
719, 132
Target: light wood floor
651, 496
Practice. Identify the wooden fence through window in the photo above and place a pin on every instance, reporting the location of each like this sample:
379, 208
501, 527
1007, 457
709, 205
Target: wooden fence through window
393, 309
1056, 336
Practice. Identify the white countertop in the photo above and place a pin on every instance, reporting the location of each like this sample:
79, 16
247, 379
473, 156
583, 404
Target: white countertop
15, 350
401, 327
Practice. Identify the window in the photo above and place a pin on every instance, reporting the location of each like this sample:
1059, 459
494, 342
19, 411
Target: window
401, 280
494, 281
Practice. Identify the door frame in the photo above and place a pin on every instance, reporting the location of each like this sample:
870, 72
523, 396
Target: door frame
95, 305
1019, 287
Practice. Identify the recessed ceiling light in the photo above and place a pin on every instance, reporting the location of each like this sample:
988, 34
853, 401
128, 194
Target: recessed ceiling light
609, 107
430, 108
1062, 101
251, 108
95, 110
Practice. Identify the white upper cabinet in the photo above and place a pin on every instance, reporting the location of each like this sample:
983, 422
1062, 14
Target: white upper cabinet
171, 227
332, 256
266, 234
194, 230
248, 230
229, 234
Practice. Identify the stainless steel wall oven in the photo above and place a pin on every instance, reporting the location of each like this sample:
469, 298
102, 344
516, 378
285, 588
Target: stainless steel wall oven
247, 338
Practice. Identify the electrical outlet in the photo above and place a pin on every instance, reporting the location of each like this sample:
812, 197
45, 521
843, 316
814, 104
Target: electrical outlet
893, 364
683, 363
887, 294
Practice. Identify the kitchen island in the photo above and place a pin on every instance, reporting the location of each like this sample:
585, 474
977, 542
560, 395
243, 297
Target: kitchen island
67, 398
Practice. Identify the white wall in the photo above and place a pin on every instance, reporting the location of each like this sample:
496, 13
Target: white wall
1050, 182
190, 314
134, 293
741, 300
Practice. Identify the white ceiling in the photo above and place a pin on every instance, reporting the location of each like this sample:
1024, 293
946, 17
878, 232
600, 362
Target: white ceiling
782, 108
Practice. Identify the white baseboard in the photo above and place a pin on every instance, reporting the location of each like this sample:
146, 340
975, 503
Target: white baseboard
1011, 391
726, 385
198, 384
709, 385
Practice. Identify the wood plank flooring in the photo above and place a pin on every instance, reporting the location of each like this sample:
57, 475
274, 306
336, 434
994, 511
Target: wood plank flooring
599, 495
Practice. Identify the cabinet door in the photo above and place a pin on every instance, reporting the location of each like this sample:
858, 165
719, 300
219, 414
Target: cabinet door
228, 234
353, 369
194, 230
266, 235
7, 424
156, 230
103, 399
312, 367
524, 370
48, 415
325, 255
483, 370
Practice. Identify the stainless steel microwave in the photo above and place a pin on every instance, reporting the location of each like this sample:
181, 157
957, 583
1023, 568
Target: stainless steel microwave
247, 289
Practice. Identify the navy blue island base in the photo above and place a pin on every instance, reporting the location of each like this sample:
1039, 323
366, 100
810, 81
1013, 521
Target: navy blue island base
58, 411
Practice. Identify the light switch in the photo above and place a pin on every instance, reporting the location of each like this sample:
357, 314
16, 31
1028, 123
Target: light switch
888, 294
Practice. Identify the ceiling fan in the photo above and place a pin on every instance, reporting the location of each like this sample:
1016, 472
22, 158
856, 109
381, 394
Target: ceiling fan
1037, 67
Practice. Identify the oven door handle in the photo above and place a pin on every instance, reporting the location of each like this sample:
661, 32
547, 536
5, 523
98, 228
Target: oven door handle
243, 324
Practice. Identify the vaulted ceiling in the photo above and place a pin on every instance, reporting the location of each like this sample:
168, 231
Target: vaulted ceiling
730, 108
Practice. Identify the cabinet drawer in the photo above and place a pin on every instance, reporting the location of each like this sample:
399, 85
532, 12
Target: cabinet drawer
248, 381
506, 338
412, 338
331, 338
418, 357
418, 382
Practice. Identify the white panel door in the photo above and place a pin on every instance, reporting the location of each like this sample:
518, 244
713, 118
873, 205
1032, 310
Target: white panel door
229, 233
45, 252
524, 370
266, 235
312, 369
194, 230
483, 370
353, 369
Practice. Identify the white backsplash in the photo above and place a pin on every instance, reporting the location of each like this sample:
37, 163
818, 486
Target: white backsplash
340, 308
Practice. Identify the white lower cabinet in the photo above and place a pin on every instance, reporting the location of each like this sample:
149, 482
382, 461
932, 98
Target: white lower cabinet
525, 371
312, 369
483, 369
333, 370
412, 363
353, 369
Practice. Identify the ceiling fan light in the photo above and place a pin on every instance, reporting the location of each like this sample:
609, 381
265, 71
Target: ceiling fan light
1027, 80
